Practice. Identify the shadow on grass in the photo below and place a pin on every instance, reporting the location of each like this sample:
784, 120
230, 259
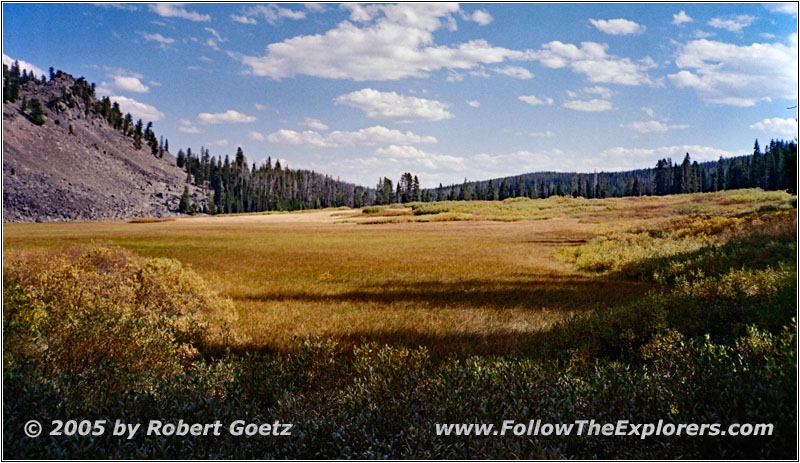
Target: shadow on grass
751, 253
564, 293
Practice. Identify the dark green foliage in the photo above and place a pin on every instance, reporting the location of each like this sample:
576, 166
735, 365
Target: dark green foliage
185, 206
37, 112
241, 188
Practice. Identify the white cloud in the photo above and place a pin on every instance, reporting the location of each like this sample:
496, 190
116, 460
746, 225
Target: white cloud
395, 107
376, 135
419, 158
130, 83
592, 60
533, 100
782, 7
620, 158
681, 18
259, 106
229, 116
257, 136
216, 35
649, 111
593, 105
315, 124
137, 109
481, 17
158, 38
602, 92
617, 26
396, 43
188, 127
732, 23
777, 126
291, 137
652, 126
699, 34
546, 133
514, 71
474, 103
7, 60
725, 73
220, 142
243, 19
174, 10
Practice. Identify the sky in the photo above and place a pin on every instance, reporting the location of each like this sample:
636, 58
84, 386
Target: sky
444, 91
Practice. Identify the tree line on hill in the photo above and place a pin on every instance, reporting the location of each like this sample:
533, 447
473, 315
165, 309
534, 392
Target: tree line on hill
81, 92
773, 169
239, 186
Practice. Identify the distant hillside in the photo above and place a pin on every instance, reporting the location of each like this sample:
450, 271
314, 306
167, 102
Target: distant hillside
773, 169
69, 156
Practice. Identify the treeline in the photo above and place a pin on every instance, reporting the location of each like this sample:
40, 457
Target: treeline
774, 169
81, 93
242, 187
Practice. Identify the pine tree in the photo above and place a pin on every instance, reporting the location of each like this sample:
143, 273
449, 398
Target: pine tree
185, 205
37, 112
491, 192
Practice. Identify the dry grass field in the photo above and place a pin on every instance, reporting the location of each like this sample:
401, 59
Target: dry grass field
463, 278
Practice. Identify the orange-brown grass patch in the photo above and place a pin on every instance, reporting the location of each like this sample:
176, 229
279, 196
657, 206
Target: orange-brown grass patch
464, 286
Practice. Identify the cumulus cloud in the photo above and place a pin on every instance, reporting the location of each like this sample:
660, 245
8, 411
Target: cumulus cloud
187, 127
593, 105
130, 84
163, 41
732, 23
649, 111
481, 17
220, 142
138, 109
514, 71
533, 100
474, 103
175, 10
777, 126
395, 107
621, 158
242, 19
270, 13
419, 157
617, 26
229, 116
726, 73
376, 135
257, 136
394, 42
783, 7
681, 18
652, 126
592, 60
315, 124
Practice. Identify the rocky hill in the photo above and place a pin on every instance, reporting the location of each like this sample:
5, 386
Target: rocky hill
77, 165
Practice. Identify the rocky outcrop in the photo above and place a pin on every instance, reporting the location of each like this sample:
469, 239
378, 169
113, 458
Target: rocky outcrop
78, 167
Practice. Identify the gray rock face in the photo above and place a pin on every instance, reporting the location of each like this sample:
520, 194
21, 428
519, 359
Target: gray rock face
92, 173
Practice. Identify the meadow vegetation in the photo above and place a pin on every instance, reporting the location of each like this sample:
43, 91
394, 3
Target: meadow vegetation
365, 335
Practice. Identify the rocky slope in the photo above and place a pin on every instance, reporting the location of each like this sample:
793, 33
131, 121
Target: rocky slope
89, 172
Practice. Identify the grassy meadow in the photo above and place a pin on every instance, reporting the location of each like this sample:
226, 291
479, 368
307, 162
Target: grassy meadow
366, 326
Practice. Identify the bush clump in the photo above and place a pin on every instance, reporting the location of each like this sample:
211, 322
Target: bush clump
106, 317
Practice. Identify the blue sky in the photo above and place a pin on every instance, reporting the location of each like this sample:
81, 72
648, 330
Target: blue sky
445, 91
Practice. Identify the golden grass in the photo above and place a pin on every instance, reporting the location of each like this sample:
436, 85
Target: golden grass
478, 286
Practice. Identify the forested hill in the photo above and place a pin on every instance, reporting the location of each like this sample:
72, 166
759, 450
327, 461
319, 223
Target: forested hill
68, 155
774, 168
234, 185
